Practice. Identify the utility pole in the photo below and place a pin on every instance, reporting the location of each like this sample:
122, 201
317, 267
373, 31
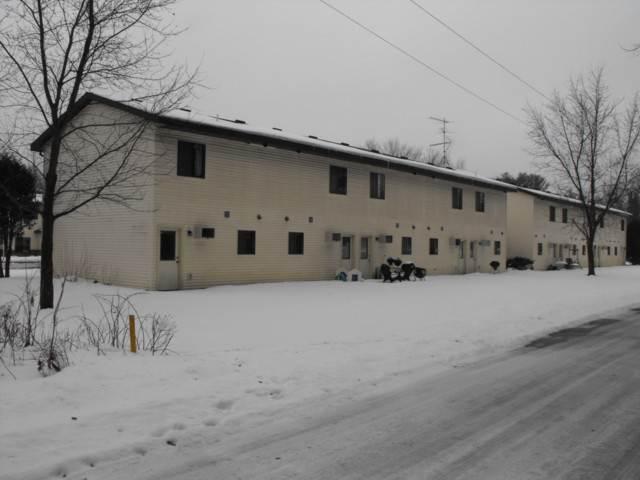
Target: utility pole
446, 141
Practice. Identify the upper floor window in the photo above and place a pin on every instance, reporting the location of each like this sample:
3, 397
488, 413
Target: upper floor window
191, 159
552, 213
296, 243
622, 224
565, 215
376, 185
456, 198
406, 245
479, 201
337, 180
602, 222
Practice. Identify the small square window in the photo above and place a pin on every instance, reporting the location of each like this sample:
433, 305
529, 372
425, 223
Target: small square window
456, 198
246, 242
376, 185
406, 245
496, 247
208, 232
479, 201
433, 246
337, 180
191, 159
552, 213
296, 243
565, 215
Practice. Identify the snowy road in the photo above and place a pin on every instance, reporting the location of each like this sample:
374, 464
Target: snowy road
566, 408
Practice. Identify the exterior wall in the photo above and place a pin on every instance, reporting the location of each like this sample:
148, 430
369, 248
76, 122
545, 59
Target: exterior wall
275, 192
520, 225
34, 234
529, 225
107, 241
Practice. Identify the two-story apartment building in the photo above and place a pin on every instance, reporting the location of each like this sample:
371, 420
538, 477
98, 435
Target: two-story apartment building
543, 227
229, 203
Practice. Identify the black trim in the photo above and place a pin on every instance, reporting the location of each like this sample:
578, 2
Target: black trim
265, 140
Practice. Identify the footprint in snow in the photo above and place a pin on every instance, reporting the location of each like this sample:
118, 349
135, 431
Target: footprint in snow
224, 404
210, 422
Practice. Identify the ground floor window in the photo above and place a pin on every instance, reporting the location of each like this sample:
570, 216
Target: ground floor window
615, 251
496, 247
246, 242
406, 245
22, 244
346, 248
364, 248
433, 246
584, 249
540, 249
296, 243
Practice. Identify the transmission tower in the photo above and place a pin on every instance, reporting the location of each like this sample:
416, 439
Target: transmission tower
446, 141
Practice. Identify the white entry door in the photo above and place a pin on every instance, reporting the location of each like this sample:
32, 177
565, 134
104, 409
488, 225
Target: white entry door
168, 265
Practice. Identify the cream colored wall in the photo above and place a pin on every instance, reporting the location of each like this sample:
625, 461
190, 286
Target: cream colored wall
520, 224
529, 225
251, 180
34, 232
104, 240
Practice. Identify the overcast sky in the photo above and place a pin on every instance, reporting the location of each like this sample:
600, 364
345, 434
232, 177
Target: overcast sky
298, 65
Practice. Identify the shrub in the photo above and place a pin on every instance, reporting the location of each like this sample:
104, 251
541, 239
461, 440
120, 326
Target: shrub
520, 263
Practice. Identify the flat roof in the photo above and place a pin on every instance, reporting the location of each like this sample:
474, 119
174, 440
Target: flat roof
187, 120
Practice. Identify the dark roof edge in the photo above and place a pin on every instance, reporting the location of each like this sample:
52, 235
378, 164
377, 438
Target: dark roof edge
264, 139
552, 197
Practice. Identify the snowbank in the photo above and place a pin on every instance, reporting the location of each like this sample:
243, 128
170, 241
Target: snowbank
243, 350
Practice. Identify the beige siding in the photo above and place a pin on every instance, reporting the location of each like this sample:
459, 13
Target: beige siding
251, 180
104, 240
530, 225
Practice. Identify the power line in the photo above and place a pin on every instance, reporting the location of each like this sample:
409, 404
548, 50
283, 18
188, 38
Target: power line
417, 60
479, 50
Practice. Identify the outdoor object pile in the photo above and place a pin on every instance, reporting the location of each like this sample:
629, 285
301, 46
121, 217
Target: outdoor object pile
396, 269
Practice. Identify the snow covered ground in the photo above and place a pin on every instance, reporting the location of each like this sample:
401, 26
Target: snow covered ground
243, 352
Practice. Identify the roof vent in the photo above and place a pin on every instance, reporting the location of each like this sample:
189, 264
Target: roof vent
403, 157
374, 150
185, 109
345, 144
278, 129
313, 136
239, 121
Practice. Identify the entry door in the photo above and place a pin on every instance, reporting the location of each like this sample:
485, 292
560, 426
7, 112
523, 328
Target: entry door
472, 262
347, 252
365, 256
168, 262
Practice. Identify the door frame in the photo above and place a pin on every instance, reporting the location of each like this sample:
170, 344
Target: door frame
178, 233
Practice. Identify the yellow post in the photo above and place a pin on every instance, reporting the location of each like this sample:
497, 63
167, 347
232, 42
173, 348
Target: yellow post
132, 333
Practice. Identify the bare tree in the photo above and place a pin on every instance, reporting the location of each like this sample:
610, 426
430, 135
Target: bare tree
586, 144
53, 51
393, 146
526, 180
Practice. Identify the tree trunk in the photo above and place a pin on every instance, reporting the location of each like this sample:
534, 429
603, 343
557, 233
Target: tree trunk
8, 250
48, 219
590, 257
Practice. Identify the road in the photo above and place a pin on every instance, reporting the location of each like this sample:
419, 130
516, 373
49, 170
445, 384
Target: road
565, 407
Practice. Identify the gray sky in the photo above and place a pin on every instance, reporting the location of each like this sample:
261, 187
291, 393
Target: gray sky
297, 65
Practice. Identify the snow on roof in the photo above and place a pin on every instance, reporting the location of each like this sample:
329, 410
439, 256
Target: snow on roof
560, 198
190, 116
